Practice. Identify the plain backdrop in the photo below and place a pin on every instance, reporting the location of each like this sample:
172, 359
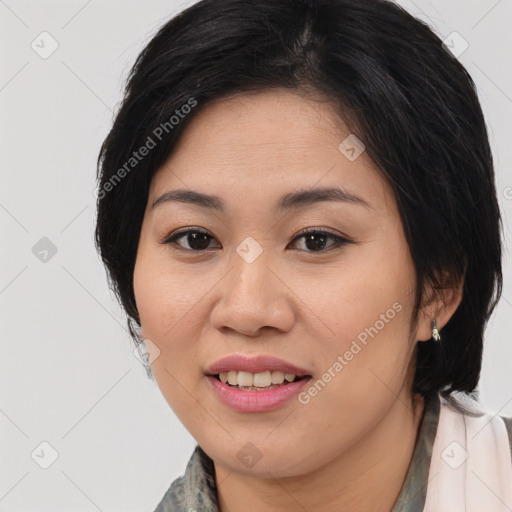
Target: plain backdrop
72, 395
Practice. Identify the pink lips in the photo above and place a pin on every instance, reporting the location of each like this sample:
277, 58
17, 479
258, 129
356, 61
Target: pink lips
255, 401
256, 364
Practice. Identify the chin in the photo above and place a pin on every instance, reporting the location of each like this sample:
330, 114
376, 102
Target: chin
281, 461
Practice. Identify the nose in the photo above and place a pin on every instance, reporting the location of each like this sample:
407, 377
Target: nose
253, 297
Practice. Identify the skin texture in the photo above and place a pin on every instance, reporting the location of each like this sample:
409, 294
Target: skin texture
350, 446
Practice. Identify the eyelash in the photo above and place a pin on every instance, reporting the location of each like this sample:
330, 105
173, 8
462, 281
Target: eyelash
339, 240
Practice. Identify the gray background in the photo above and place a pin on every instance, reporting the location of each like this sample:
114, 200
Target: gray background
68, 376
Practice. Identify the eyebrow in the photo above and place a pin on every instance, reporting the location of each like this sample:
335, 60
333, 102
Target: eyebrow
290, 201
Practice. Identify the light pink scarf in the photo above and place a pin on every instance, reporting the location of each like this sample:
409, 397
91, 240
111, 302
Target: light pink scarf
471, 465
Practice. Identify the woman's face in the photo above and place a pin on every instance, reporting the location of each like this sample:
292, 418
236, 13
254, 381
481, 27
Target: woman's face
250, 284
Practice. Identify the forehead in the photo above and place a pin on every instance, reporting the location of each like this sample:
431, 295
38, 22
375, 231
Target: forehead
277, 121
275, 141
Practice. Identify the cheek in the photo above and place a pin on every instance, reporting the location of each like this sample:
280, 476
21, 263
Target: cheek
163, 293
360, 300
363, 369
365, 314
166, 312
165, 300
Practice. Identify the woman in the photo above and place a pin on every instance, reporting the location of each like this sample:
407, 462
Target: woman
297, 211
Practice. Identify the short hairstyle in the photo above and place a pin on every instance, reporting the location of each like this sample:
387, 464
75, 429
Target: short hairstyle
392, 82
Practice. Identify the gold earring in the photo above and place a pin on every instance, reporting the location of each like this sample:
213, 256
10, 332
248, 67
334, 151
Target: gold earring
435, 333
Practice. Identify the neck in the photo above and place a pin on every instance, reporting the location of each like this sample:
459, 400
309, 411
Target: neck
368, 477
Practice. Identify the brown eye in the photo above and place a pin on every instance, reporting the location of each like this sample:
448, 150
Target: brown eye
196, 239
316, 241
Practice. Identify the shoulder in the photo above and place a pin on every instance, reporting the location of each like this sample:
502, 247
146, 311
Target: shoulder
174, 498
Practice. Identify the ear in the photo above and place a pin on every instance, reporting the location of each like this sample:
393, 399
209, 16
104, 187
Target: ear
440, 304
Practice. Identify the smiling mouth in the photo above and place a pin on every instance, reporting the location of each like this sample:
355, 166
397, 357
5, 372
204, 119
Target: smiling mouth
263, 381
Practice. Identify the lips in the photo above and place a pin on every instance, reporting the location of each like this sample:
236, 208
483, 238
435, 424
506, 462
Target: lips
255, 364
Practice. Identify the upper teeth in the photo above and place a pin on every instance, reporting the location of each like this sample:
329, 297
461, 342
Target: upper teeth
260, 380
